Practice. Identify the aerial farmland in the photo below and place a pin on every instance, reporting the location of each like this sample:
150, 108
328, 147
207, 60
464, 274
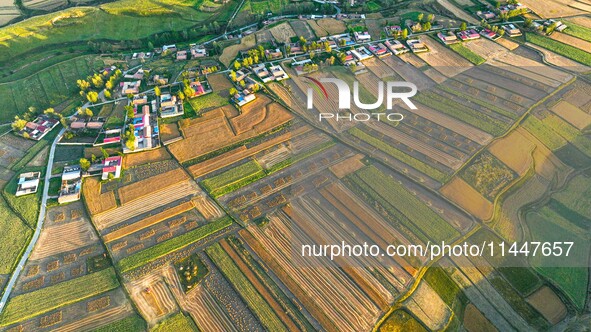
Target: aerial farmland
262, 166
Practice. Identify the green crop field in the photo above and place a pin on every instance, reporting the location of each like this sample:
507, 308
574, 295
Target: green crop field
467, 54
577, 196
234, 178
249, 294
480, 102
487, 175
568, 132
550, 139
147, 255
28, 305
392, 151
560, 48
209, 101
462, 113
546, 225
131, 323
13, 237
417, 212
50, 86
176, 323
578, 31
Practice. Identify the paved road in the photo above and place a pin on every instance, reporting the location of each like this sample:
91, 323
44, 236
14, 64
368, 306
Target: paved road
40, 220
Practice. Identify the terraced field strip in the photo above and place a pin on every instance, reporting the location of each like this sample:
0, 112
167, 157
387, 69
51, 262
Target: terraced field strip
242, 152
321, 228
200, 304
292, 284
159, 182
247, 291
29, 305
371, 225
418, 145
457, 126
568, 51
332, 284
379, 144
152, 220
418, 212
164, 248
327, 294
259, 286
146, 204
62, 238
95, 201
234, 178
89, 323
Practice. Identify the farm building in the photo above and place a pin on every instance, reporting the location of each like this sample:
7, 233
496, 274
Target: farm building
294, 49
447, 39
361, 53
197, 51
486, 15
71, 184
145, 128
511, 30
200, 88
138, 75
469, 34
379, 50
130, 87
181, 55
396, 47
28, 183
273, 54
242, 98
111, 165
278, 73
489, 34
159, 80
261, 71
416, 46
170, 48
393, 30
362, 37
39, 127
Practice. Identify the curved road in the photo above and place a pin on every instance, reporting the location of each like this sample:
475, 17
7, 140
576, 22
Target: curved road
23, 260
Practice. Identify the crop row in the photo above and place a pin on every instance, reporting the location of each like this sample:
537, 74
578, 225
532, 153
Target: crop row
560, 48
467, 54
148, 255
234, 178
35, 303
392, 151
420, 214
462, 113
253, 299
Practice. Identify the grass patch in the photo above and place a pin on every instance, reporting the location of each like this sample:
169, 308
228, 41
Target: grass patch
164, 248
194, 267
578, 31
568, 51
253, 299
400, 320
208, 101
26, 306
26, 206
392, 151
13, 237
176, 323
131, 323
467, 54
577, 199
234, 178
447, 289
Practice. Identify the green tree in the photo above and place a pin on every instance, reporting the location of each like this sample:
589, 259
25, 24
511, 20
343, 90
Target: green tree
427, 26
107, 94
157, 91
84, 164
18, 124
233, 91
404, 33
463, 26
105, 153
129, 110
420, 17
